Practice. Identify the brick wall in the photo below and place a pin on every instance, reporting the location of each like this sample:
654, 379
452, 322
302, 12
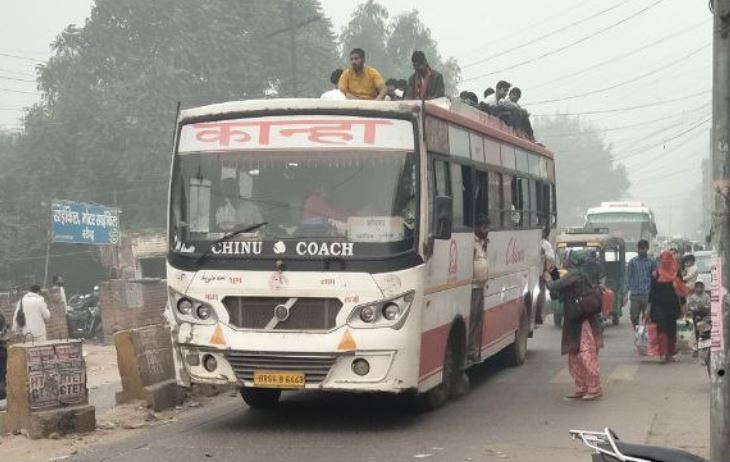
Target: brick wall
128, 304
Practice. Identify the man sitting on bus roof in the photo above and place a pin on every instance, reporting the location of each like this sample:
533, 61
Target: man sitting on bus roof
424, 83
335, 93
501, 93
361, 81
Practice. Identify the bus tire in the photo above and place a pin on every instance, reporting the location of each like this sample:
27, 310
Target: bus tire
515, 354
260, 398
453, 381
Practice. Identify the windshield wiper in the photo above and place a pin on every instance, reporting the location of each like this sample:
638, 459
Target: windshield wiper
230, 235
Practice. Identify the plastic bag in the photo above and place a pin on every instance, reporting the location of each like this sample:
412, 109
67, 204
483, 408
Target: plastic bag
686, 341
646, 338
607, 297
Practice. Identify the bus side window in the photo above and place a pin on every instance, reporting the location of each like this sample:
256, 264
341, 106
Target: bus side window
481, 195
531, 186
441, 178
508, 206
463, 188
495, 196
554, 206
519, 202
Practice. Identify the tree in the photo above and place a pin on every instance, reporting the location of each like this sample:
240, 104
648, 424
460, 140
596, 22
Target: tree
389, 44
586, 173
103, 131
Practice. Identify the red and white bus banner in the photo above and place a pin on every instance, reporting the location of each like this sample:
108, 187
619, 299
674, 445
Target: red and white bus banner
716, 300
297, 132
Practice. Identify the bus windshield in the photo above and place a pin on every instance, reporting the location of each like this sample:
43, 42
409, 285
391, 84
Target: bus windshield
362, 201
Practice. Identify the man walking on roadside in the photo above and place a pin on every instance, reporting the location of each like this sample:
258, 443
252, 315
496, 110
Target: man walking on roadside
31, 315
638, 277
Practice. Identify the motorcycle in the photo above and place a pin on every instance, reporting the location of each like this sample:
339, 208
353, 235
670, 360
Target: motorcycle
84, 318
607, 448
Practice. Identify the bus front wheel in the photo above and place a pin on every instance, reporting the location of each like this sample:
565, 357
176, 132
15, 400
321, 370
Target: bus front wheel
260, 398
454, 382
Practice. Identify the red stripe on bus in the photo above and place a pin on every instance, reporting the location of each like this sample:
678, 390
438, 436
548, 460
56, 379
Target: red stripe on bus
497, 322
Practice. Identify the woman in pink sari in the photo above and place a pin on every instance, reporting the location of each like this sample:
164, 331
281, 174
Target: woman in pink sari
581, 335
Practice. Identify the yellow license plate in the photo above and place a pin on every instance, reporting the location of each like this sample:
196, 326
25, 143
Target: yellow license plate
278, 379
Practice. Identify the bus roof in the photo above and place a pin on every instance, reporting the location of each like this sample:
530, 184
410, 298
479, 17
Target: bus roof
450, 110
620, 207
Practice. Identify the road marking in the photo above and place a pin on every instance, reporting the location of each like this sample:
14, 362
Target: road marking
562, 377
623, 373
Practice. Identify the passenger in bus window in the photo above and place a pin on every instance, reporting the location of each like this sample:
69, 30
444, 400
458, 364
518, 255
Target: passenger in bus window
320, 210
424, 83
361, 81
237, 208
479, 282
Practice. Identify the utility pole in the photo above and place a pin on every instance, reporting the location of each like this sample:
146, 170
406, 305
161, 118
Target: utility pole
292, 28
720, 366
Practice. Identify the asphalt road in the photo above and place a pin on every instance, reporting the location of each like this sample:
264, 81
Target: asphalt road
510, 414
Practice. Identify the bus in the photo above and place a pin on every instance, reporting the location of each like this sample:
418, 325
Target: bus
632, 221
329, 245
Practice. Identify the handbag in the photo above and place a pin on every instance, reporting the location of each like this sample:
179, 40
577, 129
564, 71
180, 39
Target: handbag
20, 316
584, 303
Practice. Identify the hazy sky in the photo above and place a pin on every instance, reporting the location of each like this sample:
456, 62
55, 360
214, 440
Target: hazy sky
625, 56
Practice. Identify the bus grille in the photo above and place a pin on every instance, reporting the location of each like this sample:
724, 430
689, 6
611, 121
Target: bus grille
315, 366
304, 313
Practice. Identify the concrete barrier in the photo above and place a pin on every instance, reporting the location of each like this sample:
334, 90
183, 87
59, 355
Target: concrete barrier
46, 387
144, 357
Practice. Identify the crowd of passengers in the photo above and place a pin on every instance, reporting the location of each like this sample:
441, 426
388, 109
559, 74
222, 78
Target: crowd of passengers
361, 81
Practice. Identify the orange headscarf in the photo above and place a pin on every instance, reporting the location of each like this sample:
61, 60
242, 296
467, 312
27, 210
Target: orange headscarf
667, 271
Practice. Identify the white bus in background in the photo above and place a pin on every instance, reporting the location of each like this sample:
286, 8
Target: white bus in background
632, 221
328, 244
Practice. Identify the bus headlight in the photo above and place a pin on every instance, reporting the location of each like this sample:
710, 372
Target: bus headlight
391, 312
185, 306
188, 309
368, 314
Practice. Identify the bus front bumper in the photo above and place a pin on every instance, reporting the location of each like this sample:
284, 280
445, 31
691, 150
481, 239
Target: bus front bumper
351, 371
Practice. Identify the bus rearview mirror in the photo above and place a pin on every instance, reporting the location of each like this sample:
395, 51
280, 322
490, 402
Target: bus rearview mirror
442, 217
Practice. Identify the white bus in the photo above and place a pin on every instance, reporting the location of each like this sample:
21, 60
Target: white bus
633, 221
328, 244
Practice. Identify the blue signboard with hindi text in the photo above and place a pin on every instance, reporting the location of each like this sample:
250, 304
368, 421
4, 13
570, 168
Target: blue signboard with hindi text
78, 223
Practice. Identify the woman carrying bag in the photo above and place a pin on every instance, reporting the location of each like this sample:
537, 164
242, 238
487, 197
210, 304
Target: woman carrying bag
664, 304
581, 326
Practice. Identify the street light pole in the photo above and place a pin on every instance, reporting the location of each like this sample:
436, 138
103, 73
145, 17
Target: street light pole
720, 370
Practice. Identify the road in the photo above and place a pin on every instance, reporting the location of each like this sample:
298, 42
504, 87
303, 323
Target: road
510, 414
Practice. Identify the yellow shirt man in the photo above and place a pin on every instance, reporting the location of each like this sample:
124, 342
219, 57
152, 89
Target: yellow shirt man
361, 81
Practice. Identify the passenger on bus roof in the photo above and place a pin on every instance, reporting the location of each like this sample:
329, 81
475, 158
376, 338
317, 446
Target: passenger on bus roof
361, 81
393, 93
501, 93
424, 83
335, 93
513, 98
468, 97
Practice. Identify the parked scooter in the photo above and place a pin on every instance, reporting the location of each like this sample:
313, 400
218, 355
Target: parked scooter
84, 317
607, 448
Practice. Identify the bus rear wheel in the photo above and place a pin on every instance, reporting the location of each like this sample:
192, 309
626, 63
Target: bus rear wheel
515, 354
260, 398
